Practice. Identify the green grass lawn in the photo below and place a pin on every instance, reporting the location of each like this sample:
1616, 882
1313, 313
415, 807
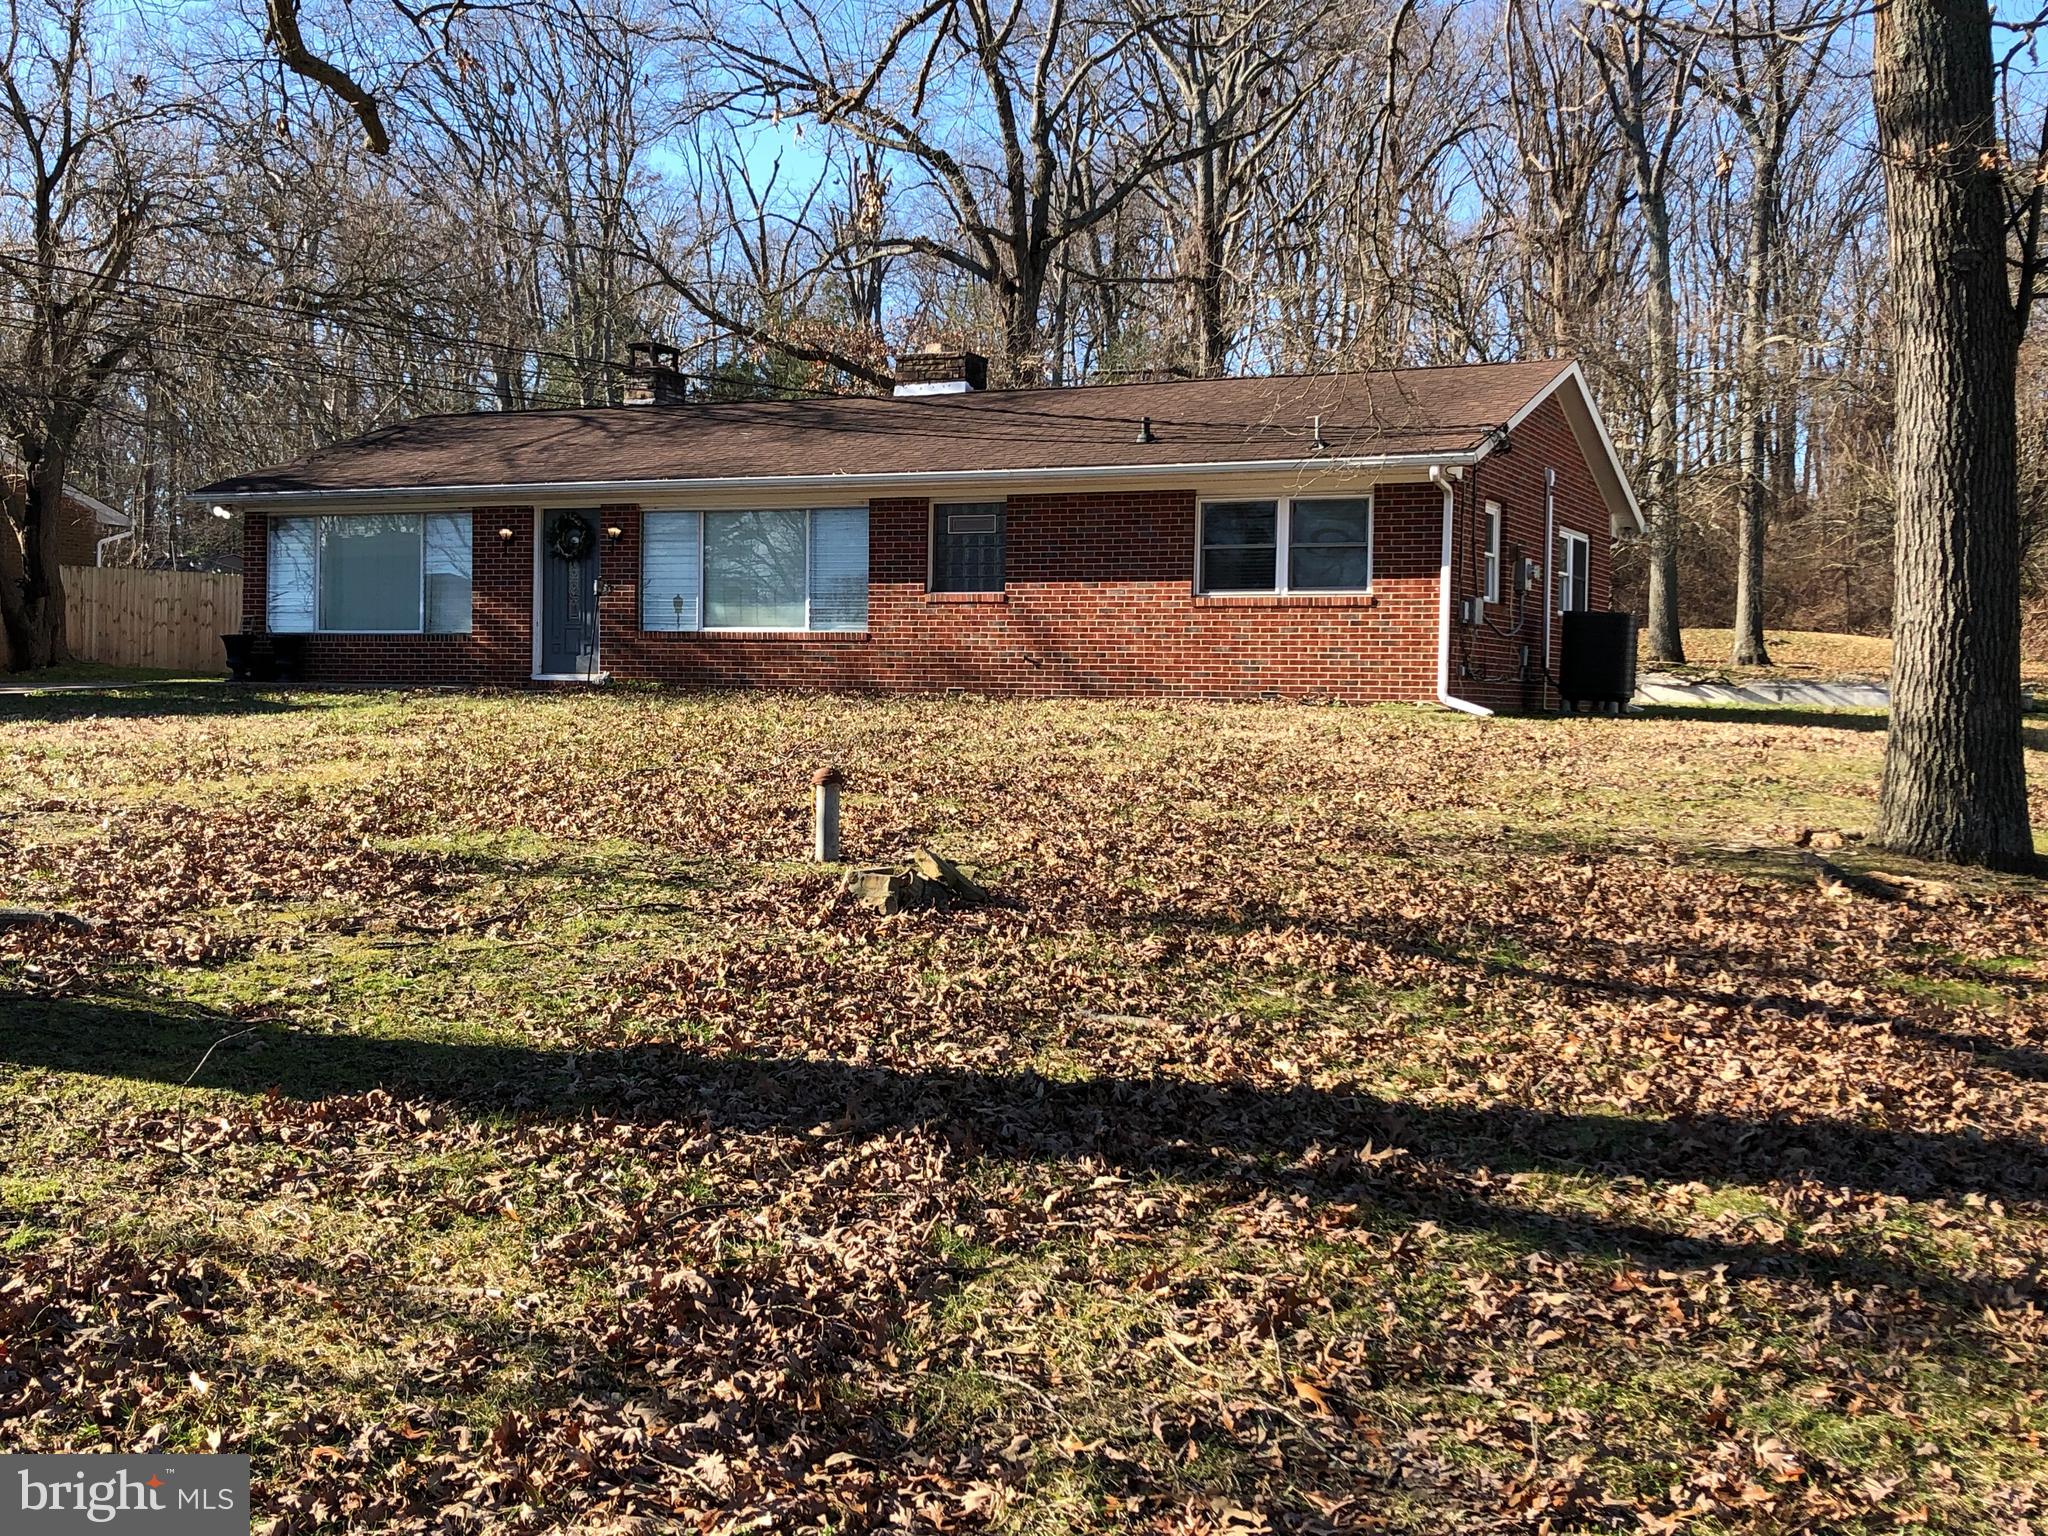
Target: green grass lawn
475, 1109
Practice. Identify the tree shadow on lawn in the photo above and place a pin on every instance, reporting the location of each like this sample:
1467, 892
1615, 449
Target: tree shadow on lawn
1760, 714
138, 701
1295, 1139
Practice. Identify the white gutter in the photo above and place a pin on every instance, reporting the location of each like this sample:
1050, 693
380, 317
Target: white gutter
1446, 474
866, 485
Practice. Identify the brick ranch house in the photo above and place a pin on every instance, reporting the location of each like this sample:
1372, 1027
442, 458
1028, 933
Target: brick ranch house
1401, 535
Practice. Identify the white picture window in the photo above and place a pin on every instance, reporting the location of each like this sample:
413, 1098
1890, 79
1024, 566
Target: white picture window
1493, 552
1286, 544
1574, 572
369, 573
773, 569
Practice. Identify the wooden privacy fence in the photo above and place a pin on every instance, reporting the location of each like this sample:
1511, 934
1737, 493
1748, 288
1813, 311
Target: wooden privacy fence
134, 618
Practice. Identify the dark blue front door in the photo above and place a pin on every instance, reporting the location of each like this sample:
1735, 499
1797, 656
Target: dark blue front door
568, 597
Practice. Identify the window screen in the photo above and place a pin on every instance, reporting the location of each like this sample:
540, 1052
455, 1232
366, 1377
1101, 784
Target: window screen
1240, 540
1329, 545
370, 573
755, 565
967, 546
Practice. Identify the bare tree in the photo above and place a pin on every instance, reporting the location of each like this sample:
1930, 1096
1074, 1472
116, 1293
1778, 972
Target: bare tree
1647, 73
1762, 72
1237, 79
77, 194
1025, 85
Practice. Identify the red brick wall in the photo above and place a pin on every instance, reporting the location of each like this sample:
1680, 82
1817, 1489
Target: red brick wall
1486, 663
1099, 600
497, 649
78, 535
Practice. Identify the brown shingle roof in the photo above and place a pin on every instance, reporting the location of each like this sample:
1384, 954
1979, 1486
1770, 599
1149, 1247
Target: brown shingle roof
1197, 421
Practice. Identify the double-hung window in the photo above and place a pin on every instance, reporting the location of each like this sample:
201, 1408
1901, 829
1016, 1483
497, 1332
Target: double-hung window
775, 569
967, 546
1574, 572
398, 573
1286, 544
1493, 552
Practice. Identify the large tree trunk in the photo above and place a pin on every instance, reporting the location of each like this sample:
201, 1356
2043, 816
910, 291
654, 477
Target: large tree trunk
1954, 778
1661, 479
31, 589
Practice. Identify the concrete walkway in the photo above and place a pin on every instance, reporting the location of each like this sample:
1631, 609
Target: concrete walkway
1661, 688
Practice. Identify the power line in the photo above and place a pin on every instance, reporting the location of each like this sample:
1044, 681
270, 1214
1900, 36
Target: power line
984, 404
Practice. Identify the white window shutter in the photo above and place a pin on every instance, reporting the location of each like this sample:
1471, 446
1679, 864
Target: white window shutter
289, 583
671, 570
839, 568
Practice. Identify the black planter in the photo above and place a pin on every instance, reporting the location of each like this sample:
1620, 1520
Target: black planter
288, 658
241, 654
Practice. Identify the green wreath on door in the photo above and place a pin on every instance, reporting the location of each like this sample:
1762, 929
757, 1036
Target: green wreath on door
572, 537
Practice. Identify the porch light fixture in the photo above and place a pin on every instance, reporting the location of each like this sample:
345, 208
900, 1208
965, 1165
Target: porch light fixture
614, 532
504, 533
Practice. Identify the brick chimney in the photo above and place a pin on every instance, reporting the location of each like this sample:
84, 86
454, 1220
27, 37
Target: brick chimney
936, 372
654, 374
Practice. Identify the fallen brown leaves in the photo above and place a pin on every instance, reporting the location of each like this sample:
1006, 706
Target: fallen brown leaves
1324, 1139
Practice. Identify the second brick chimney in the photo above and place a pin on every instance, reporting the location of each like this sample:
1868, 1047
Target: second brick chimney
933, 372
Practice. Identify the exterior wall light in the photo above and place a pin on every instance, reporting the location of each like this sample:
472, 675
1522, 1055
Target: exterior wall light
614, 532
504, 533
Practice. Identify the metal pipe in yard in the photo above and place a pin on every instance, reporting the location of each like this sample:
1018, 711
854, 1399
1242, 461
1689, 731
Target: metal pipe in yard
825, 815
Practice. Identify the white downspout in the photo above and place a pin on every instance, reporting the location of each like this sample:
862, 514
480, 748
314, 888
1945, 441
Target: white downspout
1549, 575
1446, 479
99, 550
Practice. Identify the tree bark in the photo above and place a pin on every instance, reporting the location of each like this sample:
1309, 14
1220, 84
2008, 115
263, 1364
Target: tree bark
1954, 783
1752, 390
1661, 458
31, 589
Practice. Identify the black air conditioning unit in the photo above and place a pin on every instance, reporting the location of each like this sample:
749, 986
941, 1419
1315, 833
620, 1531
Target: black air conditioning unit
1597, 664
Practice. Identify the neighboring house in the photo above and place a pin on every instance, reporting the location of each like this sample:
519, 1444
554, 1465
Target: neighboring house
1387, 536
87, 522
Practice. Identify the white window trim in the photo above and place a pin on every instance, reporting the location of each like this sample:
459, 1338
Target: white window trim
1283, 527
1564, 578
703, 600
1493, 531
320, 628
